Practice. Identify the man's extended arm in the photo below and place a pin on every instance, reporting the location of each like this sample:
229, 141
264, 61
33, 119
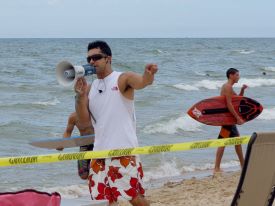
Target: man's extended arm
242, 90
137, 81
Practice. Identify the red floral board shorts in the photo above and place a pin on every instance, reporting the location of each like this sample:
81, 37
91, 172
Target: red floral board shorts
118, 177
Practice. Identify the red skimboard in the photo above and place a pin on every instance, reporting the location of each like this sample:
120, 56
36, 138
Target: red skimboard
213, 111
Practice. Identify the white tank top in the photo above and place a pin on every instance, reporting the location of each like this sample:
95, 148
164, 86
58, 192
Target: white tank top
113, 115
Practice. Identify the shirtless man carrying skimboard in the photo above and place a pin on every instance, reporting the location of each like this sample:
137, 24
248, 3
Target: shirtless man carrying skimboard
230, 131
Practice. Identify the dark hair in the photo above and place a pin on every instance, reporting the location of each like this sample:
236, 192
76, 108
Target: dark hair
231, 71
102, 45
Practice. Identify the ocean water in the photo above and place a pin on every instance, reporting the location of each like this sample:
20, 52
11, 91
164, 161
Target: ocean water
33, 105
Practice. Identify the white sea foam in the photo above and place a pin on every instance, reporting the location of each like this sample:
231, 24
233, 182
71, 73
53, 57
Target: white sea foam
269, 69
25, 104
167, 169
267, 114
259, 82
52, 102
216, 84
70, 192
209, 166
245, 51
186, 87
171, 169
206, 84
184, 123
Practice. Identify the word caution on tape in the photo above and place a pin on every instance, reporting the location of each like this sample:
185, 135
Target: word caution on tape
57, 157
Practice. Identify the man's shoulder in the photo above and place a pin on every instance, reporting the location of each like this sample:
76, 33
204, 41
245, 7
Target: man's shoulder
123, 75
226, 89
227, 86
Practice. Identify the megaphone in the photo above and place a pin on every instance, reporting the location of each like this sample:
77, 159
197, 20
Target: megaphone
66, 73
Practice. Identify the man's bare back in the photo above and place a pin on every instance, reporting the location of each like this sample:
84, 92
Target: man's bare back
72, 122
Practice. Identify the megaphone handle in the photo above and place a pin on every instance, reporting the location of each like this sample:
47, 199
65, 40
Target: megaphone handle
89, 69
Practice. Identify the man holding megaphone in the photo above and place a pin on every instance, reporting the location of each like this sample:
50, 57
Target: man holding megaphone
109, 103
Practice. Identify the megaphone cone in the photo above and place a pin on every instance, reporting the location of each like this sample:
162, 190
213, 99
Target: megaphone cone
66, 73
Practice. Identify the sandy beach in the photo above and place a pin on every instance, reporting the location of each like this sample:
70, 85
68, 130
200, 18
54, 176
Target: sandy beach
214, 191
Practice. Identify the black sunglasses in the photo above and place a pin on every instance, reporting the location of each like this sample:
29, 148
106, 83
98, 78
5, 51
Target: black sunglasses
95, 57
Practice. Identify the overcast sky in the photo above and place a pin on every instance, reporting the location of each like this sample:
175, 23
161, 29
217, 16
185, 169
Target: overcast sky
136, 18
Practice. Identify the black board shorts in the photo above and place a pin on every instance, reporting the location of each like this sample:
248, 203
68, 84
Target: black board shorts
228, 131
84, 165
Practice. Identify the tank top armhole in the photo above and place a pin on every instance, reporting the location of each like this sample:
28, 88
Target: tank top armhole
129, 100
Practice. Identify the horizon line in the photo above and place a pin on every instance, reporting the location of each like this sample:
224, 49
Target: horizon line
271, 37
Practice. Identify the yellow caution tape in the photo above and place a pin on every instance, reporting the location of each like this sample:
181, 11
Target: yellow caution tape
48, 158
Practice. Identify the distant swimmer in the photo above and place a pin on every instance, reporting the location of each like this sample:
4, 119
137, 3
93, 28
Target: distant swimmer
83, 165
228, 131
